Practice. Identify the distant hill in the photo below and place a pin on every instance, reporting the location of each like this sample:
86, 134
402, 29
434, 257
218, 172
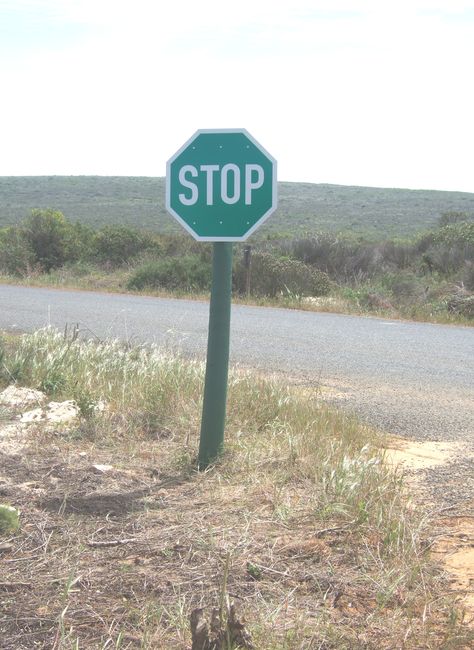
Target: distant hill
303, 207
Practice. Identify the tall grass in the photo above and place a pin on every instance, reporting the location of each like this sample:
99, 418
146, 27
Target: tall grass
272, 430
148, 386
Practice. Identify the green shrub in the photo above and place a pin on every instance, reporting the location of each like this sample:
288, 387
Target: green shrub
455, 233
174, 245
51, 238
345, 257
451, 217
16, 254
82, 242
405, 287
45, 240
462, 305
118, 244
2, 356
9, 519
271, 275
468, 275
187, 273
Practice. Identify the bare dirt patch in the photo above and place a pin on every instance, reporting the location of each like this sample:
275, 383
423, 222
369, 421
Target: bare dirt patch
453, 542
454, 549
413, 455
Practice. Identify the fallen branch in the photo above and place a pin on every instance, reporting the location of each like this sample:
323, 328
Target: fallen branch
111, 542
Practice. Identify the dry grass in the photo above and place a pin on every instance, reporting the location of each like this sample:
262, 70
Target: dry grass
300, 523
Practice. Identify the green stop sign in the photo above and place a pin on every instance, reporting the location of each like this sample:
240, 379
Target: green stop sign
221, 185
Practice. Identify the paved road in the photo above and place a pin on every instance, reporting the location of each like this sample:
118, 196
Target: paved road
414, 379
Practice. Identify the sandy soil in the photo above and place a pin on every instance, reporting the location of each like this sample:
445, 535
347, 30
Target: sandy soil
453, 544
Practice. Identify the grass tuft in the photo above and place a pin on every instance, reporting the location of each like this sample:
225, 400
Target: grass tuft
9, 519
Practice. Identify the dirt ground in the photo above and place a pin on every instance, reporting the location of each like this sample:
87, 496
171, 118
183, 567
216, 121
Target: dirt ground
453, 545
114, 551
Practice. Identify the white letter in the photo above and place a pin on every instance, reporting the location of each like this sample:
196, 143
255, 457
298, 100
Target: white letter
249, 186
191, 186
209, 169
230, 167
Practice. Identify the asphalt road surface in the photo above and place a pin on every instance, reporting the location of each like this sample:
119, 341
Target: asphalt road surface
413, 379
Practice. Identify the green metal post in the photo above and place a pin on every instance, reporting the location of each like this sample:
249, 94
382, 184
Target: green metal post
215, 389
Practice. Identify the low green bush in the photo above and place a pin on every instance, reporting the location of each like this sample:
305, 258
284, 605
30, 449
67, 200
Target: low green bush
455, 233
453, 216
462, 305
187, 273
271, 275
116, 245
44, 241
345, 257
51, 237
9, 519
404, 287
16, 255
468, 275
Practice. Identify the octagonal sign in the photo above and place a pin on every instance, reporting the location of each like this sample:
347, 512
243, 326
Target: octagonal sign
221, 185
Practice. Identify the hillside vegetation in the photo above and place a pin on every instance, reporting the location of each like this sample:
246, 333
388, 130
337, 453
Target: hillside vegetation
303, 207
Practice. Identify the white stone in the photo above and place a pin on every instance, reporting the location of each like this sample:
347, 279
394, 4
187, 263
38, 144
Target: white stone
53, 412
101, 469
37, 415
62, 411
17, 396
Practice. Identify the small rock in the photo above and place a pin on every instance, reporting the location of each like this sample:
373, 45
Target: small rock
53, 412
33, 416
102, 469
62, 411
17, 396
100, 406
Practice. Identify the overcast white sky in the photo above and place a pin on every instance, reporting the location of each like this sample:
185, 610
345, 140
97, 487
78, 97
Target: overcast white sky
356, 92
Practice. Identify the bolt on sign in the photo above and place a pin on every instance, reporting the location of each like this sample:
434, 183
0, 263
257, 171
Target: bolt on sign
221, 185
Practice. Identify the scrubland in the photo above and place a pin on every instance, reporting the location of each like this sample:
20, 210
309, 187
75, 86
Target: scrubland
429, 276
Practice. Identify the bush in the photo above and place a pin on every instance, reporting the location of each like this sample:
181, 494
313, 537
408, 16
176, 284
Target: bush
345, 258
16, 254
462, 305
118, 244
468, 277
187, 273
461, 233
449, 249
451, 217
51, 238
405, 287
271, 275
45, 240
174, 245
9, 519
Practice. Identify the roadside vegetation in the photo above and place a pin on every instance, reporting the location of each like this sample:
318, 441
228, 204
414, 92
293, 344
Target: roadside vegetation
429, 276
300, 537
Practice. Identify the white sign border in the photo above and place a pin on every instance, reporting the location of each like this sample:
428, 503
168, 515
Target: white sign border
258, 223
